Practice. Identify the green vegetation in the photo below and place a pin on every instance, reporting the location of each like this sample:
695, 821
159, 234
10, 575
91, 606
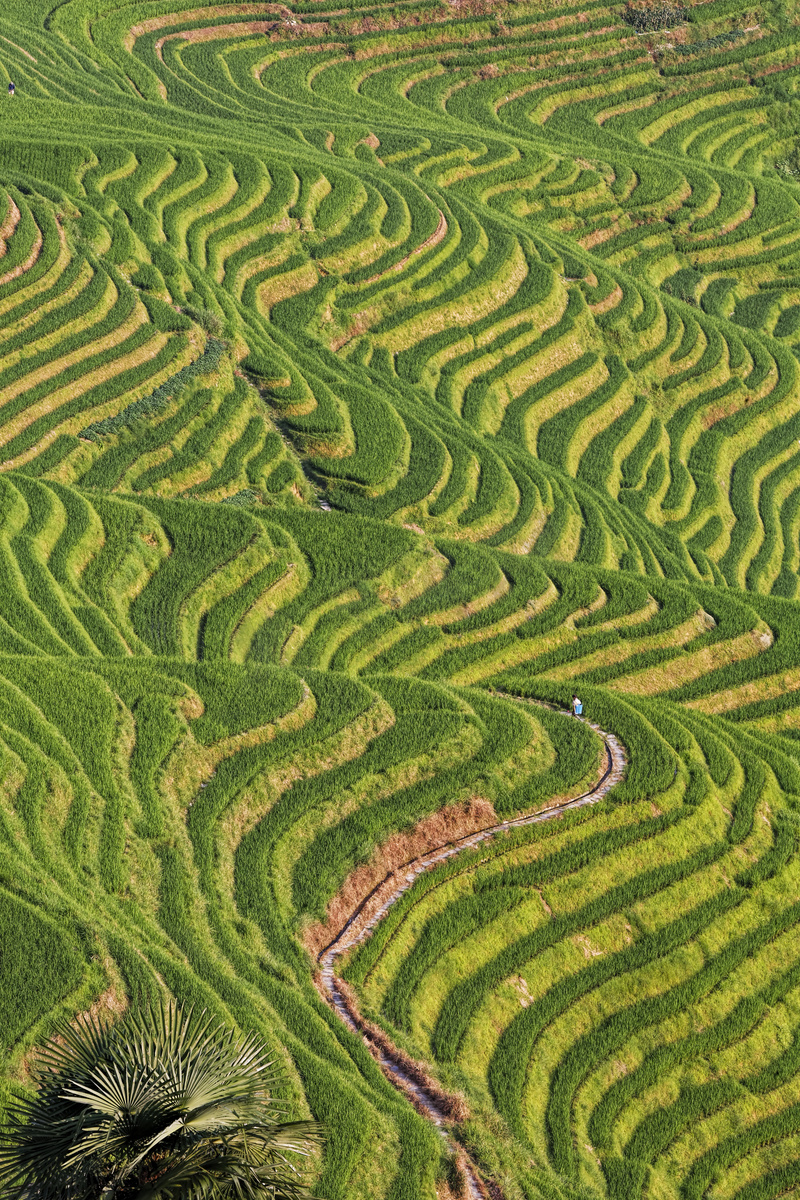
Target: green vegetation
372, 379
164, 1100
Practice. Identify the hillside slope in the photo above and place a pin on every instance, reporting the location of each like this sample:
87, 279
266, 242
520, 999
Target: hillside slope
371, 379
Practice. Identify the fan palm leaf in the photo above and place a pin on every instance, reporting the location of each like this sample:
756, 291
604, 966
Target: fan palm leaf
165, 1104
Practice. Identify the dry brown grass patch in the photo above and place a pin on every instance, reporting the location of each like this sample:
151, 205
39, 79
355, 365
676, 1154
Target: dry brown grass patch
25, 266
433, 240
611, 301
153, 24
447, 825
10, 224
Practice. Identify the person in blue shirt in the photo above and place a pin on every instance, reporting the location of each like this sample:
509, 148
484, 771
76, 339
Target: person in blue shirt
11, 89
577, 707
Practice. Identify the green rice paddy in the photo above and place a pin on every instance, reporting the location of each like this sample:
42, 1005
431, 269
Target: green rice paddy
368, 371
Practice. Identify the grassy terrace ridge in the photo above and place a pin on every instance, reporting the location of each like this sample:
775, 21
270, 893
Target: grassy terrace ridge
367, 373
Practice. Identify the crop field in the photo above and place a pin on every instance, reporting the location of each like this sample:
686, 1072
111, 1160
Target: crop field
373, 378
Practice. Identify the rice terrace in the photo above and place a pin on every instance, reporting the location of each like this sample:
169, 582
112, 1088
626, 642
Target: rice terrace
374, 379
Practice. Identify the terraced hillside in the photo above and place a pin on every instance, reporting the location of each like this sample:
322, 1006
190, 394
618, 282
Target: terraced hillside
372, 379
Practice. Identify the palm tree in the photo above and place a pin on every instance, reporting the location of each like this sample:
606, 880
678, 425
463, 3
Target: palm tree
164, 1104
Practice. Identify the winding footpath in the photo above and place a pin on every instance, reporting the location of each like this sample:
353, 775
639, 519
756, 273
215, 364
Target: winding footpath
426, 1097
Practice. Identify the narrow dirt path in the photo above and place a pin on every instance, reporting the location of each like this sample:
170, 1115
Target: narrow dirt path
427, 1098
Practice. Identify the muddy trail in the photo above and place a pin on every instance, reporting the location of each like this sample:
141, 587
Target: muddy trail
408, 1076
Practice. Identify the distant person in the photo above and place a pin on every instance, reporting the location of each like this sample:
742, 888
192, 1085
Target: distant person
11, 89
577, 707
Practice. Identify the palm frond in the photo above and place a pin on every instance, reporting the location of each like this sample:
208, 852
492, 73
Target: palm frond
112, 1089
197, 1176
73, 1050
168, 1103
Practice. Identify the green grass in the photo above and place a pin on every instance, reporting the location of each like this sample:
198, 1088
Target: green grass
371, 380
